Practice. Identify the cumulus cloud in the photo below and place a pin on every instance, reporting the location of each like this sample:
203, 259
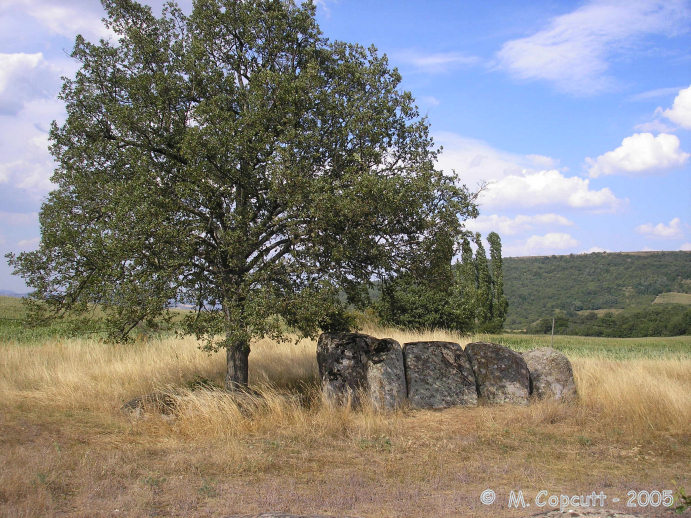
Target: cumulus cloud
517, 181
552, 242
505, 225
680, 112
24, 77
673, 230
25, 162
574, 51
547, 188
640, 154
686, 247
32, 172
476, 161
654, 126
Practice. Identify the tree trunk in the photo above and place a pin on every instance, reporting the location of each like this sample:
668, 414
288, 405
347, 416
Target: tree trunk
237, 357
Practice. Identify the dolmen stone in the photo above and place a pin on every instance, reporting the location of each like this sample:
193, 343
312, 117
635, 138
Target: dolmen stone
438, 375
352, 365
501, 374
551, 374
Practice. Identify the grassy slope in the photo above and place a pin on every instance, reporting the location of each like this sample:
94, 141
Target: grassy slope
673, 298
536, 286
13, 328
66, 448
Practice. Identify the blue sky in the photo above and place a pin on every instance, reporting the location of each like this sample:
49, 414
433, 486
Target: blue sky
575, 115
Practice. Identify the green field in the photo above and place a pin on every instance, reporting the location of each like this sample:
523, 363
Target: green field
673, 298
612, 348
14, 328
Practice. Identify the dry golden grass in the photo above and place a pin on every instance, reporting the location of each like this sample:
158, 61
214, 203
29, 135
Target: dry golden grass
66, 447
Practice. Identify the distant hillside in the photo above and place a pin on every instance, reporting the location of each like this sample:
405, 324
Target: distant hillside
10, 293
537, 286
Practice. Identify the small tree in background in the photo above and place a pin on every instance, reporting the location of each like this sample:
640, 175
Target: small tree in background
500, 304
424, 296
466, 285
483, 297
236, 160
466, 296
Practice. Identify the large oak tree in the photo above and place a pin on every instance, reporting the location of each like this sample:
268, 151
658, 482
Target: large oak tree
236, 160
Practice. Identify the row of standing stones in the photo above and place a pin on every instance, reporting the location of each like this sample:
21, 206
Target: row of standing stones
353, 366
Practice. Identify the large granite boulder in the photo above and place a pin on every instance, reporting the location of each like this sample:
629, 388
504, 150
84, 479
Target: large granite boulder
551, 375
438, 375
354, 364
501, 374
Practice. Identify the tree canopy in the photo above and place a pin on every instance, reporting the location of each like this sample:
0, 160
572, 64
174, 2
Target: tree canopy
236, 160
465, 296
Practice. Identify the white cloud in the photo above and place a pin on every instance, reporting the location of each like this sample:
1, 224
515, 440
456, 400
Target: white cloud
686, 247
680, 112
542, 161
654, 94
517, 181
476, 161
65, 18
33, 170
24, 77
505, 225
654, 126
25, 161
552, 242
436, 62
574, 51
673, 230
547, 188
640, 154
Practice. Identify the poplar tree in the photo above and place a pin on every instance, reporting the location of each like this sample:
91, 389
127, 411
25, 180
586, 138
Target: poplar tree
500, 304
483, 298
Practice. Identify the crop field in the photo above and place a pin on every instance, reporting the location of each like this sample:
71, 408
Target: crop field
68, 449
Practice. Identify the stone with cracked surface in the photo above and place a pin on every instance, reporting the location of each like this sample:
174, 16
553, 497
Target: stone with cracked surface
353, 365
438, 375
501, 374
551, 374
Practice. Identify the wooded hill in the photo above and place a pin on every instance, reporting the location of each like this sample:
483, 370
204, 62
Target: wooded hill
537, 287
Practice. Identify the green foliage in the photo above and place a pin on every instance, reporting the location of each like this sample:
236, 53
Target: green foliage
682, 501
657, 320
500, 303
483, 300
464, 297
421, 297
238, 161
537, 286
